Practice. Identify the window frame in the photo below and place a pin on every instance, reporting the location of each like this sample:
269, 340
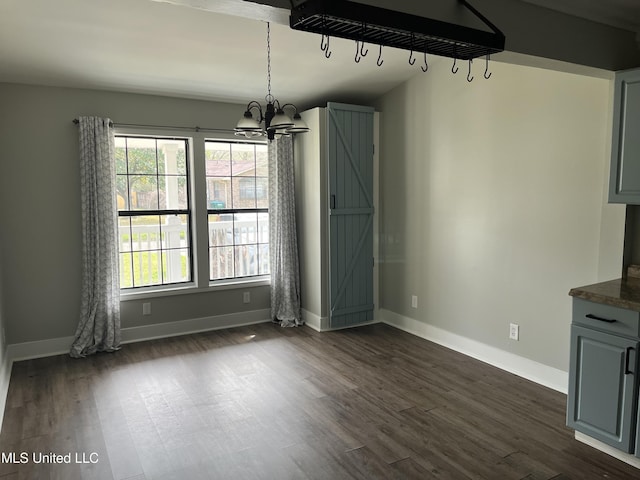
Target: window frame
240, 210
159, 212
196, 170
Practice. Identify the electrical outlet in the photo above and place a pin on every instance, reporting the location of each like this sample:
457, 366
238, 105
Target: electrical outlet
514, 331
146, 308
414, 301
246, 297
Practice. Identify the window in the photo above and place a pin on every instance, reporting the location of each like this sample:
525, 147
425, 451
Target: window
154, 214
237, 181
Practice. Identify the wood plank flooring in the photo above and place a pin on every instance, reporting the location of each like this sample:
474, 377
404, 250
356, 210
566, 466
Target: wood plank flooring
263, 402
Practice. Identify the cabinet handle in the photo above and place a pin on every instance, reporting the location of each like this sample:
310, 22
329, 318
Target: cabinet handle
593, 317
333, 202
626, 360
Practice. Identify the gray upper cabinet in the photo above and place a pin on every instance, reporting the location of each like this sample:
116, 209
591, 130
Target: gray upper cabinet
624, 180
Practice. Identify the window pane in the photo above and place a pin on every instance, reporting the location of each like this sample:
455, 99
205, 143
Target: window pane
124, 234
121, 155
175, 231
122, 192
262, 192
218, 159
263, 228
145, 232
262, 161
244, 192
221, 263
263, 254
172, 158
146, 269
220, 230
172, 191
218, 192
126, 270
176, 267
141, 154
245, 228
143, 191
243, 160
246, 260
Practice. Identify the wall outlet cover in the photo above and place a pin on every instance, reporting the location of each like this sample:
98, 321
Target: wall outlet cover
514, 331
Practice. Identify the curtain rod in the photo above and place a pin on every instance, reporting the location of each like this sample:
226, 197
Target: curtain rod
166, 127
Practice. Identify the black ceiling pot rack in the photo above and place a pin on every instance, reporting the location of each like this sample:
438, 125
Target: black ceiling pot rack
380, 26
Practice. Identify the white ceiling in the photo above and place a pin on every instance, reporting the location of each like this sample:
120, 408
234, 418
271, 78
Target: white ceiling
153, 47
150, 47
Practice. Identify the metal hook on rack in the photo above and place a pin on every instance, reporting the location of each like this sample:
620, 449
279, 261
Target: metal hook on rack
324, 45
486, 70
358, 56
469, 77
412, 60
324, 41
363, 53
426, 65
379, 62
454, 69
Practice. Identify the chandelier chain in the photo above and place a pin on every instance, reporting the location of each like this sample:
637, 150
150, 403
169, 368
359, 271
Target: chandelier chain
269, 97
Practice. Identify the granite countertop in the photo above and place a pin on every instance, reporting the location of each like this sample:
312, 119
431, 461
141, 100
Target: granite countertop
622, 293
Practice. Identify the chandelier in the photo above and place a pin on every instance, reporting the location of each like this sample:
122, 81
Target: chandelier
276, 121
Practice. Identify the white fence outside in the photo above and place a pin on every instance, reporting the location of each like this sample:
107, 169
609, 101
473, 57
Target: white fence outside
249, 256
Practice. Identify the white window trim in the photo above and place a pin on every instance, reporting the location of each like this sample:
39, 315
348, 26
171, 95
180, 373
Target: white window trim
199, 216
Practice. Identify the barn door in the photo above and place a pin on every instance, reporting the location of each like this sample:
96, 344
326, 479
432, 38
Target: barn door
350, 155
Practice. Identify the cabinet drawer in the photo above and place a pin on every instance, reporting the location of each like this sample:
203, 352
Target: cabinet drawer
595, 315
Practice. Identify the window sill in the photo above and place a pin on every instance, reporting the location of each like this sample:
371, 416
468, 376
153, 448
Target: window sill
189, 289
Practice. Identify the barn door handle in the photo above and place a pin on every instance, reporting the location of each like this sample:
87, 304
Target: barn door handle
333, 202
626, 360
593, 317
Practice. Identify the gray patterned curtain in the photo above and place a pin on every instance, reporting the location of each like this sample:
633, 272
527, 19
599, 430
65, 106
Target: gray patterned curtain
283, 241
99, 326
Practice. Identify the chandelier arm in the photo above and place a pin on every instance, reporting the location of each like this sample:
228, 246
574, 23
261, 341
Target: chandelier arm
295, 109
254, 104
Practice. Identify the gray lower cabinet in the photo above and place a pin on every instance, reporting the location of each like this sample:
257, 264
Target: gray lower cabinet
601, 389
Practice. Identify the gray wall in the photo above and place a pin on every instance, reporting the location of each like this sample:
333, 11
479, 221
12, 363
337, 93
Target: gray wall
493, 203
40, 207
3, 340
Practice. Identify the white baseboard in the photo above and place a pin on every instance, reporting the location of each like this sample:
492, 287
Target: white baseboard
40, 348
57, 346
319, 324
608, 449
523, 367
195, 325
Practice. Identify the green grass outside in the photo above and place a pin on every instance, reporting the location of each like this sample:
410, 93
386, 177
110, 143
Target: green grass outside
145, 269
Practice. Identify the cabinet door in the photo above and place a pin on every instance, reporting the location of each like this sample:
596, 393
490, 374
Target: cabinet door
602, 380
350, 162
624, 179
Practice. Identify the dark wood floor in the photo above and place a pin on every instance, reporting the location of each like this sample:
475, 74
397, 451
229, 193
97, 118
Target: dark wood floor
264, 402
